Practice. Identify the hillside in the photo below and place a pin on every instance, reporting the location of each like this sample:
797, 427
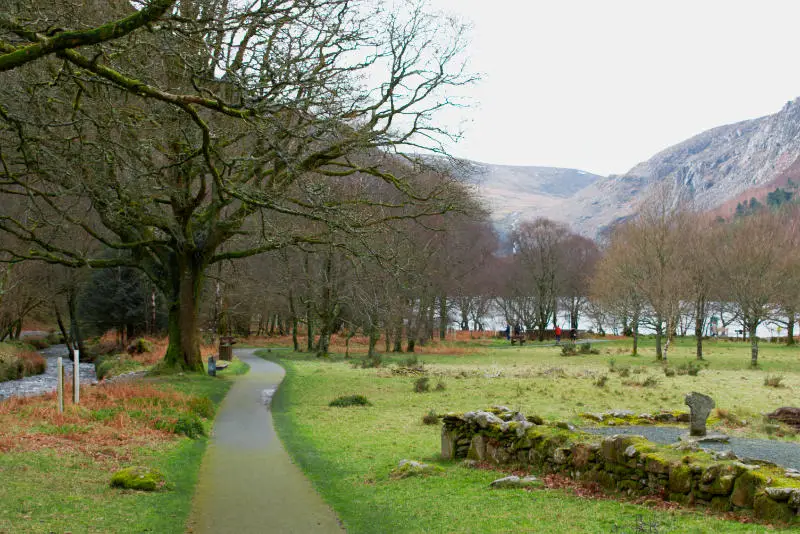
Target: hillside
714, 169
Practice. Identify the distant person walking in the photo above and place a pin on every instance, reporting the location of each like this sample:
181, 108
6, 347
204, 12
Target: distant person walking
573, 335
558, 335
508, 332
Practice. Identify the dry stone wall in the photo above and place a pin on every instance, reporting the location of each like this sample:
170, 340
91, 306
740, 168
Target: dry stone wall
624, 463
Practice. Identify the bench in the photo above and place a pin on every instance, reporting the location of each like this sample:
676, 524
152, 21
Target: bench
518, 337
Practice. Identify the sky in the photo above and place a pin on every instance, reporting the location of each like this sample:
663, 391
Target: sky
602, 85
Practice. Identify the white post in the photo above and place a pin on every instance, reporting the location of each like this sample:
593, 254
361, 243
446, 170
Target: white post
76, 374
60, 369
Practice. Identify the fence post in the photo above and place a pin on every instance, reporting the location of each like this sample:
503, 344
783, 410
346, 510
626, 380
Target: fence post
76, 374
60, 388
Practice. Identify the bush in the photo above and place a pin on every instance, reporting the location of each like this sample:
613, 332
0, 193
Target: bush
411, 362
586, 348
601, 381
188, 425
690, 368
422, 384
624, 372
15, 364
568, 349
369, 362
37, 343
668, 371
430, 418
202, 407
440, 386
773, 381
650, 382
350, 400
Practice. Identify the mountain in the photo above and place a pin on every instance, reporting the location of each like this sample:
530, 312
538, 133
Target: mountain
713, 171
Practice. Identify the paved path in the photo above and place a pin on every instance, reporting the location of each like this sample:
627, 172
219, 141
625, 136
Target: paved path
248, 484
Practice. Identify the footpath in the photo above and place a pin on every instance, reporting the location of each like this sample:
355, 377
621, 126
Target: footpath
248, 483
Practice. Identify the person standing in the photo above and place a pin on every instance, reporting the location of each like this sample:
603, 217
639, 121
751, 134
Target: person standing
558, 335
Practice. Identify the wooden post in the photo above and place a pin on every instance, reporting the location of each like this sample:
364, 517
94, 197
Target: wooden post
76, 374
60, 387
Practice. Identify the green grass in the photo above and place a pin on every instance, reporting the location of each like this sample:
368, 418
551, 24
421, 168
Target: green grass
47, 490
348, 454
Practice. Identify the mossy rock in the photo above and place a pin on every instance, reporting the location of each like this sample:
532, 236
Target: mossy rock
770, 510
680, 479
721, 503
138, 478
746, 486
411, 468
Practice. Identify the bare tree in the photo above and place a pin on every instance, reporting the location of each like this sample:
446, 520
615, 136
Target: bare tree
753, 266
205, 132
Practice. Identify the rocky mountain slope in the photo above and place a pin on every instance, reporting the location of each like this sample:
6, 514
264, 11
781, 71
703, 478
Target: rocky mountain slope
711, 170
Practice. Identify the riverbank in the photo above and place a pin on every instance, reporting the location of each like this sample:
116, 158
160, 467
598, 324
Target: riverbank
46, 381
159, 423
18, 361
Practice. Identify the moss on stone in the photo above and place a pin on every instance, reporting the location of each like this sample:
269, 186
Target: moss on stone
680, 479
138, 478
769, 510
746, 486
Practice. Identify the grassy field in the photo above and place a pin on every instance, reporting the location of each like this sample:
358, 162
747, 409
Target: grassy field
349, 452
55, 468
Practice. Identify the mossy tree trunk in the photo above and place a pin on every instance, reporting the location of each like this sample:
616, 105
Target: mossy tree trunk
183, 351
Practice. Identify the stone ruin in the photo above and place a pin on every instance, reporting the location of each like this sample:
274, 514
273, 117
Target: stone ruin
625, 463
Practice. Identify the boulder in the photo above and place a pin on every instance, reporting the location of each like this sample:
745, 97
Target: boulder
516, 482
138, 478
410, 468
787, 415
770, 510
486, 419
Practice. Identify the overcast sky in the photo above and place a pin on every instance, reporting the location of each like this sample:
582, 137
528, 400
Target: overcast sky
602, 85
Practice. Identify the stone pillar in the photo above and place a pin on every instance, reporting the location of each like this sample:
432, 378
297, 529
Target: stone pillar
700, 407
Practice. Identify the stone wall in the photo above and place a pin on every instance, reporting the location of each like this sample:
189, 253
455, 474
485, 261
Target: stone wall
630, 464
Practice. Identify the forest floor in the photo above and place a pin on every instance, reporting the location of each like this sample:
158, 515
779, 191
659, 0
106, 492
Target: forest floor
348, 453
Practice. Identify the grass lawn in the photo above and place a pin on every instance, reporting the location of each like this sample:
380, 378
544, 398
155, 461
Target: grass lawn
349, 452
55, 468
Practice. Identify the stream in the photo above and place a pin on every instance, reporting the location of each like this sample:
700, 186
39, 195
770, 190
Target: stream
47, 381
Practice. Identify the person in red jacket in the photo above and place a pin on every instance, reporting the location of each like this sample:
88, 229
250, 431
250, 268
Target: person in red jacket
558, 334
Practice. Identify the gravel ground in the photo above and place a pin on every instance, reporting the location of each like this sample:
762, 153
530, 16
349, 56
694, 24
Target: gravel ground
780, 452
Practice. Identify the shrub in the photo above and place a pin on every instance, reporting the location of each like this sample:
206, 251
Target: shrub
202, 407
586, 348
440, 386
33, 363
350, 400
569, 349
411, 362
430, 418
369, 362
690, 368
773, 381
650, 382
422, 384
624, 372
668, 371
601, 381
188, 425
37, 343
